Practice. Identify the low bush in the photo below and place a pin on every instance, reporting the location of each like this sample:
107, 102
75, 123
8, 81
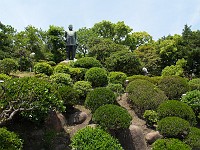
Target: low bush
170, 144
43, 67
176, 108
61, 68
193, 138
117, 77
173, 127
77, 74
8, 65
9, 140
94, 138
144, 95
192, 98
98, 97
97, 76
4, 77
116, 88
173, 86
142, 77
61, 78
194, 84
87, 62
112, 117
151, 117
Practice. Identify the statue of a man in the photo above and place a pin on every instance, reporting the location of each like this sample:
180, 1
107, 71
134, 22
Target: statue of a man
71, 43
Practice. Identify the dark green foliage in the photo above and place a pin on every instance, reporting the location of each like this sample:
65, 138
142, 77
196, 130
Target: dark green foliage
144, 95
192, 98
43, 67
4, 77
173, 127
111, 117
117, 77
116, 88
94, 138
32, 97
77, 74
98, 97
82, 88
193, 138
8, 65
87, 62
61, 78
9, 140
173, 86
170, 144
61, 68
151, 117
176, 108
97, 76
194, 84
24, 63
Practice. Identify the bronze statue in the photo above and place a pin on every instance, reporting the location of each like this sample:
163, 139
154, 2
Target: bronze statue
71, 43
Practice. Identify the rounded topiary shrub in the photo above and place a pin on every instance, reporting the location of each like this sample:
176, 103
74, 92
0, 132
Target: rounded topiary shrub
192, 98
8, 65
151, 117
90, 138
135, 77
173, 86
193, 138
82, 88
194, 84
61, 68
9, 140
61, 78
118, 89
170, 144
87, 62
117, 77
98, 97
77, 74
43, 67
97, 76
176, 108
173, 127
112, 117
144, 95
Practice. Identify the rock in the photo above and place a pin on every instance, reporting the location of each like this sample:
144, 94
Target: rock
153, 136
132, 138
78, 117
56, 121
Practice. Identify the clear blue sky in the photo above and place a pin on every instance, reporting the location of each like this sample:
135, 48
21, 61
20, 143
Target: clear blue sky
157, 17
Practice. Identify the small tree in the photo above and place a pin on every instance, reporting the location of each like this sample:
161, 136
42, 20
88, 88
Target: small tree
8, 65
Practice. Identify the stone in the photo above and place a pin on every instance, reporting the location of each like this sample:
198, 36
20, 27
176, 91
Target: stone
153, 136
78, 117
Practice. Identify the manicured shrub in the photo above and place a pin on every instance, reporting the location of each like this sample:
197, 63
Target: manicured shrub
116, 88
192, 98
173, 86
112, 117
43, 67
61, 68
4, 77
194, 84
94, 138
170, 144
176, 108
144, 95
8, 65
151, 117
9, 140
117, 77
77, 74
173, 127
61, 78
82, 88
98, 97
135, 77
97, 76
87, 62
193, 138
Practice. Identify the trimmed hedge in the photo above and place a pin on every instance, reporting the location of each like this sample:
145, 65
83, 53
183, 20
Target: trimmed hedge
174, 127
77, 74
61, 68
87, 62
194, 84
90, 138
193, 138
176, 108
117, 77
98, 97
112, 117
43, 67
61, 78
116, 88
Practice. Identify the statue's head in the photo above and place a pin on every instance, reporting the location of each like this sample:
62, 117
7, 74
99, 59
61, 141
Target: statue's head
70, 27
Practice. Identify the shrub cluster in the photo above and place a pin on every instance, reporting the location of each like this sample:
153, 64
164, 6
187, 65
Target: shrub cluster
77, 74
4, 77
151, 117
144, 95
193, 138
43, 67
117, 77
116, 88
112, 117
61, 78
87, 62
194, 84
94, 138
61, 68
176, 108
97, 76
98, 97
9, 140
173, 127
173, 86
8, 65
